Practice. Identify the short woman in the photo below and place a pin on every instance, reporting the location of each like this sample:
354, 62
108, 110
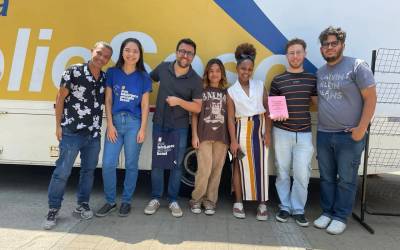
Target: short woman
210, 138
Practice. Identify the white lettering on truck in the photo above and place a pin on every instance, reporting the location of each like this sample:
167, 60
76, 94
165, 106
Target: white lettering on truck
62, 58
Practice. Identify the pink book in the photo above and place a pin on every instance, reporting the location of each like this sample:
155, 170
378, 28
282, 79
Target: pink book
277, 107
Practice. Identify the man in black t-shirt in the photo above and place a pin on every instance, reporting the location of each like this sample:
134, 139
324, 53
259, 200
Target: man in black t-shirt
292, 136
180, 92
79, 112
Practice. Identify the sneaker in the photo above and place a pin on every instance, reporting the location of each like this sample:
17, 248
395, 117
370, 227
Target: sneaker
262, 213
84, 211
176, 211
282, 216
152, 207
322, 222
238, 210
301, 220
195, 206
124, 210
51, 219
106, 209
209, 209
336, 227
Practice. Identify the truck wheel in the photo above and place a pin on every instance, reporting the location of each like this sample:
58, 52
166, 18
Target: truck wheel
188, 172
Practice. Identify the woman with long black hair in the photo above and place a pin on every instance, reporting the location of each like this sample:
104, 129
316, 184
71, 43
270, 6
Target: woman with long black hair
127, 109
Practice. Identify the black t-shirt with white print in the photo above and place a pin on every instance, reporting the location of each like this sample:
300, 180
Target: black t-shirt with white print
83, 107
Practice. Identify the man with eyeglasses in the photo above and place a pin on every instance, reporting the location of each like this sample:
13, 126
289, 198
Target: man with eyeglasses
292, 137
346, 105
180, 92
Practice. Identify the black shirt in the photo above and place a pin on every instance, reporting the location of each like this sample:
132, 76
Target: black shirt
186, 87
298, 89
83, 107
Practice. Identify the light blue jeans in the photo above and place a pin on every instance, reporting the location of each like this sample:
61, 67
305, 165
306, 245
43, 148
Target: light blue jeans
127, 127
292, 150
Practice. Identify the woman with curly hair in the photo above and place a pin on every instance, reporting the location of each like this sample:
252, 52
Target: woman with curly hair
250, 132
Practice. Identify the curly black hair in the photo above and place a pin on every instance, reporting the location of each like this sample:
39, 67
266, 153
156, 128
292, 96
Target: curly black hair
332, 31
245, 51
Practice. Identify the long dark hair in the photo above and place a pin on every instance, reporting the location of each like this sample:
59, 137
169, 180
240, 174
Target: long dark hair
223, 82
140, 63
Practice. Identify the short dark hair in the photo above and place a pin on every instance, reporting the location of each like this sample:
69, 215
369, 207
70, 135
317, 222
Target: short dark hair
295, 41
187, 41
332, 31
104, 44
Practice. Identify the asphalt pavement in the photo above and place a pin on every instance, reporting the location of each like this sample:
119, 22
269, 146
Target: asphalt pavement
23, 206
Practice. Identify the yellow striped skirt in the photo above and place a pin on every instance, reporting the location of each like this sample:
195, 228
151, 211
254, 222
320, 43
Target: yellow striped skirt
254, 166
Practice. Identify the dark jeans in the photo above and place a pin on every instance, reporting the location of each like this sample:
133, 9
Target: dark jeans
157, 174
70, 145
338, 159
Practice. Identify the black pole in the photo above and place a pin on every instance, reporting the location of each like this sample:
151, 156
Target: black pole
363, 206
366, 153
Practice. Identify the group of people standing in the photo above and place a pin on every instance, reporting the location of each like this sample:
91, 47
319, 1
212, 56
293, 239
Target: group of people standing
235, 118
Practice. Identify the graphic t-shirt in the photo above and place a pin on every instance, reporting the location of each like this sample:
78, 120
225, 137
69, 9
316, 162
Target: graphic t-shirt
83, 107
339, 93
127, 90
212, 122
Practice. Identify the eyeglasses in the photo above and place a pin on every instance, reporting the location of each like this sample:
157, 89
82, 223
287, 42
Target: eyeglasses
295, 53
182, 52
333, 44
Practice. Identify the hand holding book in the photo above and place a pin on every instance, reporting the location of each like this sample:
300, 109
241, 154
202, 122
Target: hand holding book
277, 108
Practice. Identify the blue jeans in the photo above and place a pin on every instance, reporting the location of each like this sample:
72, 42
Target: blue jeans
157, 174
292, 150
70, 145
127, 127
338, 157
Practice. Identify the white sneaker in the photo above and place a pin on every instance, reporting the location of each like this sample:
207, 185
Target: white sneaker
262, 213
195, 206
322, 222
336, 227
238, 210
152, 207
176, 211
209, 209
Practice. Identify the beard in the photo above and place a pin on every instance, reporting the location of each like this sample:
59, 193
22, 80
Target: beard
182, 65
335, 57
295, 67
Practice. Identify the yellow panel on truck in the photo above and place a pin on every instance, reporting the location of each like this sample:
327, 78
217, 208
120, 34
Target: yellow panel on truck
39, 39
